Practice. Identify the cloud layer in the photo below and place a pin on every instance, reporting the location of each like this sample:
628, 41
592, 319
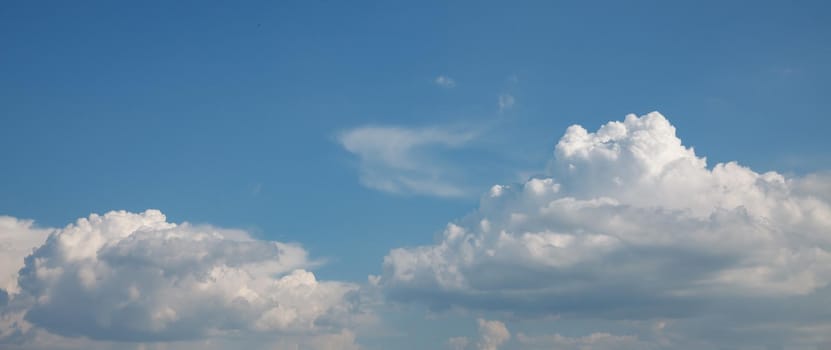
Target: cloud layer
630, 233
127, 276
594, 341
631, 224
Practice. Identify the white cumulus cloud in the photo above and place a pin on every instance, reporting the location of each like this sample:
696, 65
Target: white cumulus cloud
629, 224
136, 277
17, 240
492, 334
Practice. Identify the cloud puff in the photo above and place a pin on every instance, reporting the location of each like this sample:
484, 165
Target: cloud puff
492, 334
136, 277
445, 81
630, 224
399, 160
17, 240
506, 101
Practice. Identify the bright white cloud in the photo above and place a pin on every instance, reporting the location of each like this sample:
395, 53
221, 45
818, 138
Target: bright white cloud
506, 101
136, 277
17, 240
630, 224
403, 161
492, 334
445, 81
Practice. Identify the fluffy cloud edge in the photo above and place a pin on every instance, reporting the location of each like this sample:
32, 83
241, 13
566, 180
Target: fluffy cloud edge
135, 277
629, 224
18, 238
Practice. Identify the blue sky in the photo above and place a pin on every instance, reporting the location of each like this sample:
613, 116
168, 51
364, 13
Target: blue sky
238, 115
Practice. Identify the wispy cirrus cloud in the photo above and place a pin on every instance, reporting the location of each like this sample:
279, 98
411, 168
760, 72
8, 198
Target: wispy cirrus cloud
404, 160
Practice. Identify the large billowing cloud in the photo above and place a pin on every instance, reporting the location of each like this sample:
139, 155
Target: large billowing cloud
136, 277
631, 224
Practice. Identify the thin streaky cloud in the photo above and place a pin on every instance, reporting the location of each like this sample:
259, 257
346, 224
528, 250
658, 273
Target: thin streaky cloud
402, 160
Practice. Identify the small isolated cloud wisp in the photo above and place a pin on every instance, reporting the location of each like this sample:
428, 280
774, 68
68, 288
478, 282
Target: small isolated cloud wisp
406, 160
445, 81
506, 102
